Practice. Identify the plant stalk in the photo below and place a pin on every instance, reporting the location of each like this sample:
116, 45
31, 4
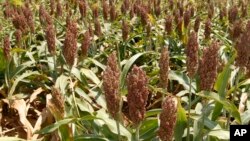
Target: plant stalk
137, 132
189, 109
118, 130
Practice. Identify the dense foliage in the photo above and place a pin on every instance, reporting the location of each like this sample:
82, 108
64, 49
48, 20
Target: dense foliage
123, 69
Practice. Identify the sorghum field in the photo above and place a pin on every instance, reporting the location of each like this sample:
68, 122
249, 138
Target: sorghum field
123, 70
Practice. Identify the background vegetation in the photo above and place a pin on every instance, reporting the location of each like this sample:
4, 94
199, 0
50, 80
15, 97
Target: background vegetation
123, 70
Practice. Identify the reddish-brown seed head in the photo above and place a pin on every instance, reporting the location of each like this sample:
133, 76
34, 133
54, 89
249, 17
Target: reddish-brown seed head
168, 118
208, 30
51, 41
164, 67
6, 47
197, 24
208, 67
125, 30
192, 54
85, 44
137, 94
111, 78
168, 24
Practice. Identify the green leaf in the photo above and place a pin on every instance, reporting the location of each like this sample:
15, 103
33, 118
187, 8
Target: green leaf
24, 75
55, 126
51, 128
148, 128
227, 105
153, 112
128, 65
97, 63
90, 138
221, 86
181, 122
245, 117
182, 79
220, 134
111, 124
90, 75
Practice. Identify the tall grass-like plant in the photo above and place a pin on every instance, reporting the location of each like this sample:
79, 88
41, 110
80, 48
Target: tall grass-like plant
111, 86
192, 66
137, 97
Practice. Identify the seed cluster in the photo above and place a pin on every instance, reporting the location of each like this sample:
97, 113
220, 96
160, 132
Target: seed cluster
137, 94
168, 118
111, 85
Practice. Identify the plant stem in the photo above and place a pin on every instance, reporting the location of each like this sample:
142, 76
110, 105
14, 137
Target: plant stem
137, 132
189, 108
118, 130
54, 73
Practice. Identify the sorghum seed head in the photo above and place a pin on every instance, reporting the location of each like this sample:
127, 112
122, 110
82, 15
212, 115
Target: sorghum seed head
236, 30
208, 29
85, 44
111, 85
197, 24
125, 30
29, 18
58, 9
180, 8
6, 47
58, 102
144, 16
70, 43
186, 18
232, 13
179, 25
82, 8
126, 4
52, 6
123, 9
168, 24
51, 41
98, 29
208, 67
113, 13
18, 36
137, 94
19, 22
8, 11
72, 26
95, 11
168, 118
242, 47
105, 9
192, 10
211, 10
176, 16
157, 7
44, 17
192, 54
42, 13
223, 12
243, 9
164, 67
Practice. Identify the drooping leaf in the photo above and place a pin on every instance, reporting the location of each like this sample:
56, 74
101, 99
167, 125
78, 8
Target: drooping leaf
226, 104
128, 65
221, 86
181, 122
